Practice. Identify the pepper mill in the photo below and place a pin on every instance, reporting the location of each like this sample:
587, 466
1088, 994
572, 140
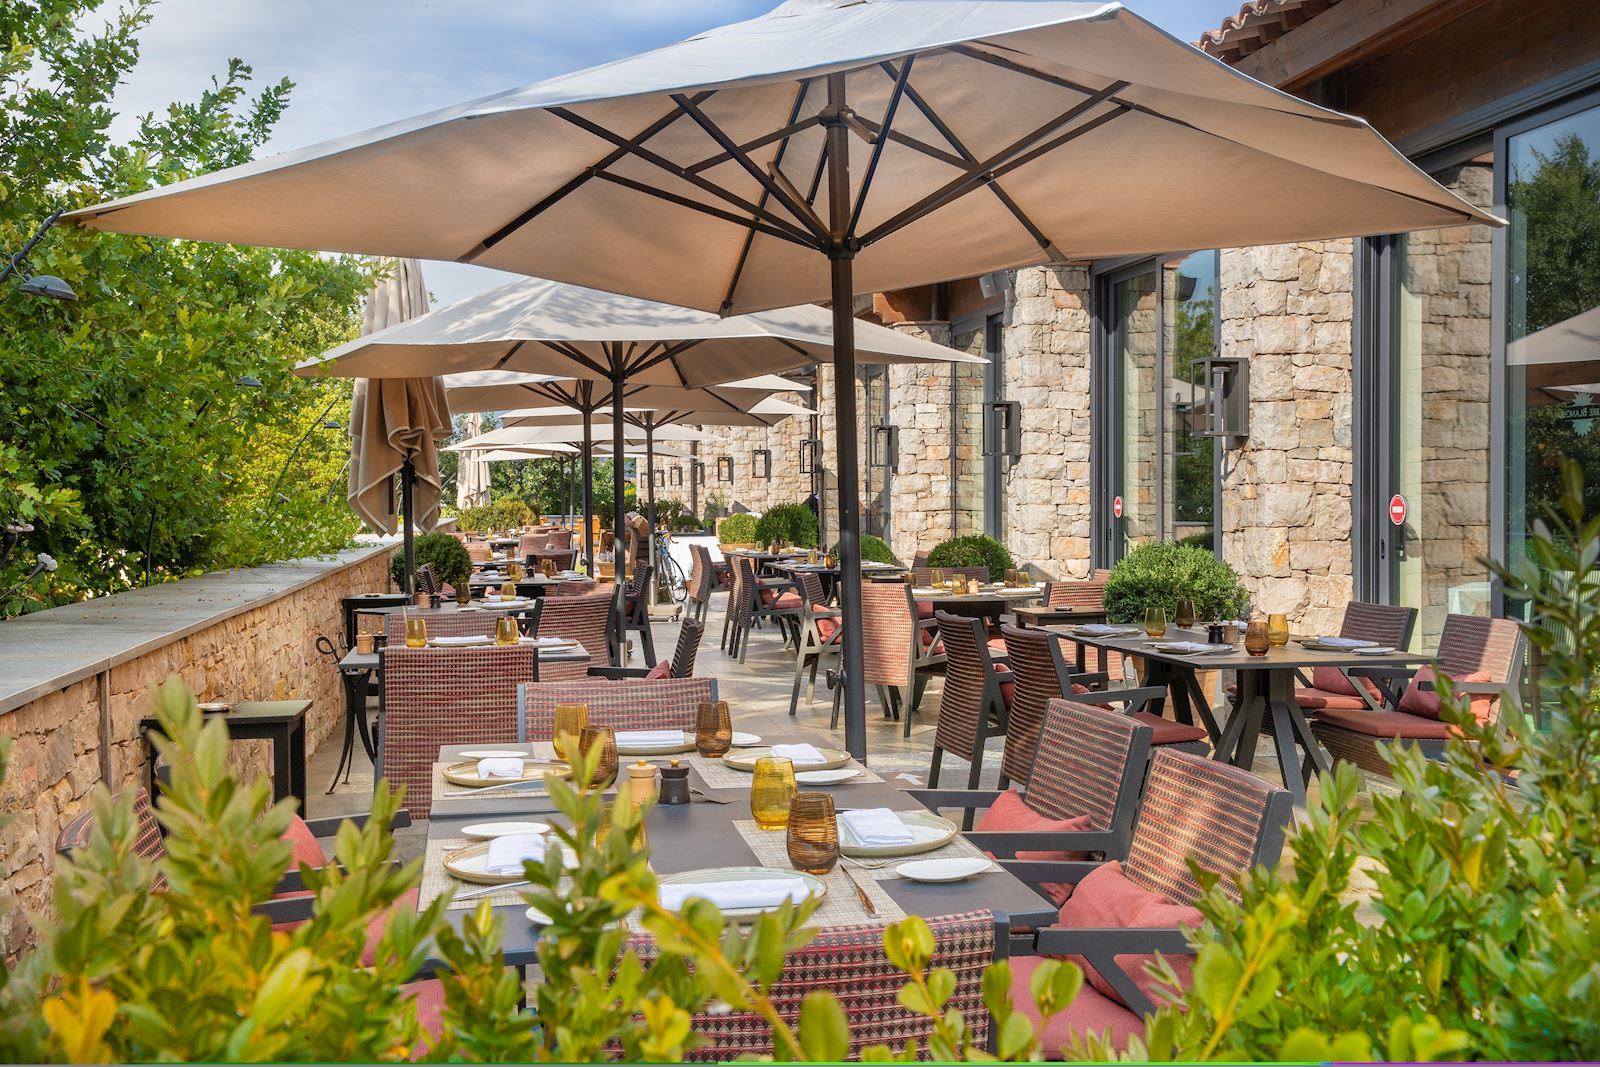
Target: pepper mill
674, 784
641, 783
1214, 633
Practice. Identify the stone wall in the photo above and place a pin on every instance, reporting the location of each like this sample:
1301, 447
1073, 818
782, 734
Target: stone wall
69, 740
1286, 494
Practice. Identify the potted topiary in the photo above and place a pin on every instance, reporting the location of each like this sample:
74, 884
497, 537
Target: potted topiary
873, 550
737, 531
1159, 573
787, 524
976, 550
451, 564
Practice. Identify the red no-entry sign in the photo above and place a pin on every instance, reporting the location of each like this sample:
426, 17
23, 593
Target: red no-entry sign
1397, 510
1116, 507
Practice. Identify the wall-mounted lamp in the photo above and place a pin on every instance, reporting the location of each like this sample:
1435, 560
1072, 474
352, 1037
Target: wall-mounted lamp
810, 455
677, 476
1227, 411
697, 472
658, 478
725, 468
761, 464
1002, 429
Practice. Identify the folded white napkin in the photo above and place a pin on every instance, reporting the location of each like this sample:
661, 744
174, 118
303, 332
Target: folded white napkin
765, 893
1192, 646
1106, 628
799, 755
506, 854
924, 591
649, 738
500, 767
1344, 642
877, 827
465, 639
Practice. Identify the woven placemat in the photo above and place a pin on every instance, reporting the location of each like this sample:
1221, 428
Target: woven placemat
719, 775
841, 907
443, 790
436, 881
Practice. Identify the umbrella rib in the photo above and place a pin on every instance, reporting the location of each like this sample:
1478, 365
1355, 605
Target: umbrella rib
576, 182
750, 235
879, 142
981, 172
914, 143
1054, 143
707, 209
577, 356
661, 162
760, 142
801, 211
967, 158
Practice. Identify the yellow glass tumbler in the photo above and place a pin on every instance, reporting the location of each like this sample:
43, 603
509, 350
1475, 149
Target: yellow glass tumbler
771, 789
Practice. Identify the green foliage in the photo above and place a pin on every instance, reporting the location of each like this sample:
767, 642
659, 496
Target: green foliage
873, 550
451, 564
121, 426
497, 515
788, 524
674, 514
976, 550
1160, 573
716, 506
737, 530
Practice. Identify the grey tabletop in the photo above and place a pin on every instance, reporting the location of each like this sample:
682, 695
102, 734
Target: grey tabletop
986, 596
1291, 657
372, 661
700, 835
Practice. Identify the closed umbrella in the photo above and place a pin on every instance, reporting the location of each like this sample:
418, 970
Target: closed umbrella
472, 477
396, 424
827, 148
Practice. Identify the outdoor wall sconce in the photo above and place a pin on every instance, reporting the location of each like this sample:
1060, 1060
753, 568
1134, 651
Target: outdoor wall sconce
810, 455
761, 464
697, 472
677, 476
884, 448
658, 478
1227, 412
1002, 429
724, 468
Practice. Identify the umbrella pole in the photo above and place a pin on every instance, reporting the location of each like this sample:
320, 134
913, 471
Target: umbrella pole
407, 535
650, 489
619, 511
841, 260
584, 392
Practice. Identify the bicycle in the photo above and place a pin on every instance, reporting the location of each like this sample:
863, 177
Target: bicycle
670, 579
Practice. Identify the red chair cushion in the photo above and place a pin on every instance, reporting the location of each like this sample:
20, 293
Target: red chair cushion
1164, 731
1089, 1013
924, 609
790, 601
826, 628
1011, 814
1425, 702
1106, 898
429, 995
998, 647
304, 843
1386, 724
1318, 700
1333, 680
1008, 687
660, 670
1079, 690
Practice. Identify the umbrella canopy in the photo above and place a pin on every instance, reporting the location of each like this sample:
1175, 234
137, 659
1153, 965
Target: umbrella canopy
569, 433
544, 327
763, 413
496, 390
633, 451
472, 477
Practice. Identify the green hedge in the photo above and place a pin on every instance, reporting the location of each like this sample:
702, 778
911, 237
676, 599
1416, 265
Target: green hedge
873, 550
978, 550
792, 524
496, 515
737, 530
1162, 572
451, 564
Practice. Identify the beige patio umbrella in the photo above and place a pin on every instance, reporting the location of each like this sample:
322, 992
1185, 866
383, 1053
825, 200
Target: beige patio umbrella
397, 423
472, 477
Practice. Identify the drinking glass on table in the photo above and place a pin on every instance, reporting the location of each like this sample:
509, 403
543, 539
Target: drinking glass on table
771, 789
1256, 641
1155, 621
1278, 630
713, 729
936, 579
416, 631
505, 630
605, 772
569, 719
813, 842
1183, 613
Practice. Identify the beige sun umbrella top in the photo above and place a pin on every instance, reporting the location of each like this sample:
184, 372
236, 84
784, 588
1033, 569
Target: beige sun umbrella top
570, 433
392, 418
496, 390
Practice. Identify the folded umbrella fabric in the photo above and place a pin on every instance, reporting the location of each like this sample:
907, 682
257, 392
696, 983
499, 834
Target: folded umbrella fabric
648, 738
507, 854
763, 893
500, 767
877, 827
799, 755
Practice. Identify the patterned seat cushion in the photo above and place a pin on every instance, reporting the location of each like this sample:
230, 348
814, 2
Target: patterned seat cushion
1107, 899
1319, 700
1164, 731
1385, 724
1091, 1012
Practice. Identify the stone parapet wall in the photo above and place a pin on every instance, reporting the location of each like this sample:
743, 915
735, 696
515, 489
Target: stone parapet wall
70, 739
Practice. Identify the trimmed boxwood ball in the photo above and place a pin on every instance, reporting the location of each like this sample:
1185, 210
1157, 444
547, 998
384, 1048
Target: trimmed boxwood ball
737, 530
977, 550
792, 524
451, 564
873, 550
1160, 573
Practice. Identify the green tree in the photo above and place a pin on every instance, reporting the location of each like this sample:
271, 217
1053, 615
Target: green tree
122, 416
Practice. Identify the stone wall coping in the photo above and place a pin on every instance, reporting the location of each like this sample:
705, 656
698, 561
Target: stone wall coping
47, 651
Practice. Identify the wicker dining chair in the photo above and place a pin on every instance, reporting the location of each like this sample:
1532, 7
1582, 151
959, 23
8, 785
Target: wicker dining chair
681, 665
636, 616
440, 623
820, 639
699, 586
755, 600
973, 707
1390, 625
1195, 811
899, 651
623, 704
1088, 593
851, 961
586, 619
445, 696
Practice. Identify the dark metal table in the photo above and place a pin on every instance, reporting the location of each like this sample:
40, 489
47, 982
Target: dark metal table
283, 722
1045, 615
989, 604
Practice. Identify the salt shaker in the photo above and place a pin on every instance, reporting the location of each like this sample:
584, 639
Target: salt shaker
674, 784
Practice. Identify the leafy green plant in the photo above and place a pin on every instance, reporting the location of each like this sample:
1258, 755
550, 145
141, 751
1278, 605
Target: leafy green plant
737, 530
788, 524
976, 550
505, 514
451, 564
1160, 573
873, 550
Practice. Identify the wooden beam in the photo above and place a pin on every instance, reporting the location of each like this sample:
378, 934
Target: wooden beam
1346, 34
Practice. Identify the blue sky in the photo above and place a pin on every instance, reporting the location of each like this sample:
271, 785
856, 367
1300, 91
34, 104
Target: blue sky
360, 63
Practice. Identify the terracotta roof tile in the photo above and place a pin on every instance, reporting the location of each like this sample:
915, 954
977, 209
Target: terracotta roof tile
1258, 22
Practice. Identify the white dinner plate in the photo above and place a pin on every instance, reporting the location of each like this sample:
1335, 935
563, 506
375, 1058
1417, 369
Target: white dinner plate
684, 744
467, 864
1375, 650
833, 777
745, 759
950, 870
493, 753
745, 740
484, 831
817, 887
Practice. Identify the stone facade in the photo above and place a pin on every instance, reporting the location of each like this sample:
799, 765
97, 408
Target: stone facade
65, 743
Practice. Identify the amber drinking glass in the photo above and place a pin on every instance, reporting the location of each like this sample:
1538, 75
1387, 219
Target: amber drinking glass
771, 788
605, 772
1256, 641
1278, 630
416, 631
548, 568
813, 833
569, 719
713, 729
508, 590
936, 578
1183, 614
505, 630
1155, 621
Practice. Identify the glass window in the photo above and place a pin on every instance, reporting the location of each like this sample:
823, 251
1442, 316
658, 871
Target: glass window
1134, 345
1189, 318
1553, 316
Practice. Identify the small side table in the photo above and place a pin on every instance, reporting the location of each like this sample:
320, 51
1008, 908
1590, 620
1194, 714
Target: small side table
283, 722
